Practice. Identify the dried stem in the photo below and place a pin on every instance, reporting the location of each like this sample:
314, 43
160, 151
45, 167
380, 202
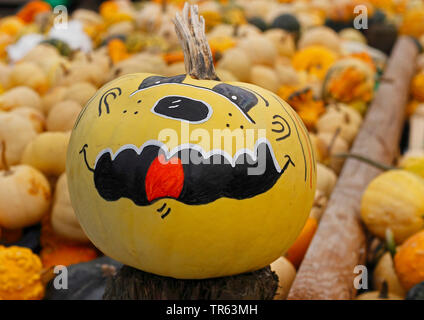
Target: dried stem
369, 161
190, 28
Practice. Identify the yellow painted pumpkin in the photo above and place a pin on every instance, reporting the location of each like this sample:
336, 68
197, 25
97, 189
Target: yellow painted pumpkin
183, 220
158, 183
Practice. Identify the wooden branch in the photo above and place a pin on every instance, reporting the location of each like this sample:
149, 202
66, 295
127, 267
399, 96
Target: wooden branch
327, 272
197, 53
130, 283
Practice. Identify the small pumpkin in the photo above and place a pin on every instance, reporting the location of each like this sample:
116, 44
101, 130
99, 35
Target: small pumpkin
117, 50
237, 62
340, 117
35, 116
29, 74
11, 25
260, 49
20, 274
315, 60
286, 274
350, 34
348, 80
24, 195
412, 23
20, 97
29, 12
319, 206
307, 106
298, 249
264, 77
417, 87
80, 92
16, 131
382, 294
47, 152
409, 261
63, 219
329, 144
175, 69
287, 76
394, 200
326, 179
283, 41
385, 272
67, 254
53, 97
63, 116
320, 36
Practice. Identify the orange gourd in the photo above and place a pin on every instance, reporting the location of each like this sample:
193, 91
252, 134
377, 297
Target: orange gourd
409, 261
298, 250
67, 254
31, 9
20, 274
117, 50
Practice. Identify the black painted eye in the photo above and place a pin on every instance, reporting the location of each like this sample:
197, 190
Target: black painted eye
156, 80
244, 99
182, 108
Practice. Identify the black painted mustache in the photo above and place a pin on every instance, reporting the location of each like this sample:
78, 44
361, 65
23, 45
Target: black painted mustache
204, 180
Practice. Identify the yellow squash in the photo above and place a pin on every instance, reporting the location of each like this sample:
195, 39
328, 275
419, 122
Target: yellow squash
394, 200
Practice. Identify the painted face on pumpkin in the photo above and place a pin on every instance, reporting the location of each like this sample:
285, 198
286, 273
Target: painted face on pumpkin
126, 158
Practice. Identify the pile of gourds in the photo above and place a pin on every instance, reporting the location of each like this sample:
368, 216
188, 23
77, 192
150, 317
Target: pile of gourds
328, 77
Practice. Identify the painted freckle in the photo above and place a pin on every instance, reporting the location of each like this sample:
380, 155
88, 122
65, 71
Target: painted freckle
241, 127
139, 101
227, 125
136, 112
230, 114
125, 111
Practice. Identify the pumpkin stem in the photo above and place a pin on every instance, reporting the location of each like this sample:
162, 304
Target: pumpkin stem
197, 53
333, 140
369, 161
384, 291
164, 6
3, 157
390, 242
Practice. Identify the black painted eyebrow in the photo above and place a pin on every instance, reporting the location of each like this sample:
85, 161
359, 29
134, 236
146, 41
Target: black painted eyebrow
114, 92
155, 80
244, 99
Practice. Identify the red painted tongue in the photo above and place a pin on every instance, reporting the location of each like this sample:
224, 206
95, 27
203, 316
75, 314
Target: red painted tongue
164, 178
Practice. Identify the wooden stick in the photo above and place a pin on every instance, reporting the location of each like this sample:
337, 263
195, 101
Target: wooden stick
197, 53
327, 272
416, 131
130, 283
